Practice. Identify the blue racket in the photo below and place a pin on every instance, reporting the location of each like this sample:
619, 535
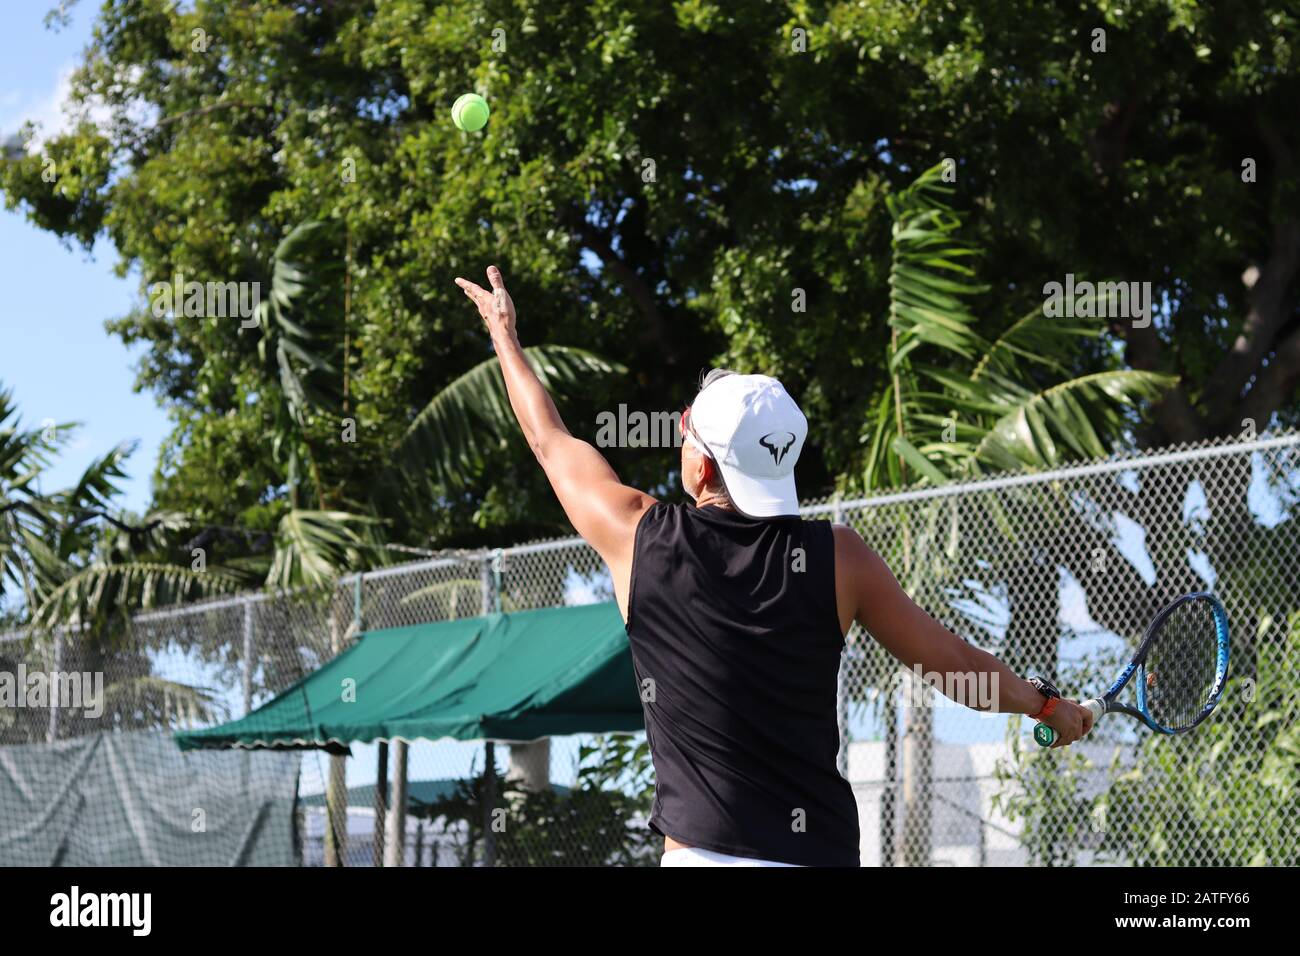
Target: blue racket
1181, 666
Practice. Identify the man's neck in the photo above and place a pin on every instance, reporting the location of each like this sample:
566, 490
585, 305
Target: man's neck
716, 501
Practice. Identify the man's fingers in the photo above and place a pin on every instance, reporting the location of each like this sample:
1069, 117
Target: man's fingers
497, 301
1077, 730
480, 295
470, 287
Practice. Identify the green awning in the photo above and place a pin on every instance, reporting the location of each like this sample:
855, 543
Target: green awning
420, 794
521, 676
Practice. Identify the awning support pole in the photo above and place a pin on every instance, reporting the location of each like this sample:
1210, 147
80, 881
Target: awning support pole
395, 850
381, 803
489, 748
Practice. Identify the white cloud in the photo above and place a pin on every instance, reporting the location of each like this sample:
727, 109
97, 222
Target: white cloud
45, 110
53, 113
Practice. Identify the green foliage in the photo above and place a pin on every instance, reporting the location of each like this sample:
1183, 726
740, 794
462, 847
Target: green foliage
92, 593
1226, 794
959, 405
758, 238
313, 546
304, 319
452, 437
620, 761
1041, 791
595, 824
70, 556
24, 454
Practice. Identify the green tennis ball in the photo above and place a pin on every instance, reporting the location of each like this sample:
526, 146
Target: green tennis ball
470, 112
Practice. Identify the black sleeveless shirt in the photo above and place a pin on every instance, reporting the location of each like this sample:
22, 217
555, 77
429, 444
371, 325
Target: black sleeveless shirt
736, 644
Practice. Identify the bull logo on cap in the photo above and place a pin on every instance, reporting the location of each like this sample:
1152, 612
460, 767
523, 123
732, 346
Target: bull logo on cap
778, 443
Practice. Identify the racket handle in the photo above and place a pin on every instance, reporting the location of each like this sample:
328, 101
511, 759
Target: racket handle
1046, 736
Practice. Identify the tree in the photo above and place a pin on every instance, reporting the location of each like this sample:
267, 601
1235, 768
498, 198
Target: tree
76, 538
673, 187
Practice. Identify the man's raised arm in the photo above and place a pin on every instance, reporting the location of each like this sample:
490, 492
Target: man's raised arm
602, 509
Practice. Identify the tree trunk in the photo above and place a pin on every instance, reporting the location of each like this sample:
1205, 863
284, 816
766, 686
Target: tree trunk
336, 791
530, 764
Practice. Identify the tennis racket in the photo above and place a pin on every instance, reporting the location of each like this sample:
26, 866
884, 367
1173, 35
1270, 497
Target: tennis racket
1181, 666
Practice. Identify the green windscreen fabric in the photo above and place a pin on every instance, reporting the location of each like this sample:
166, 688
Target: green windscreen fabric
519, 676
132, 799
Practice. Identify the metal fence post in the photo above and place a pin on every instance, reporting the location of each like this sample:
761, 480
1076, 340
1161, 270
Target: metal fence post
381, 757
248, 655
492, 578
841, 682
382, 810
52, 731
395, 846
245, 765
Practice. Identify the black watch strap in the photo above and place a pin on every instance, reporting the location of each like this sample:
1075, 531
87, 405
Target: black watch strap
1044, 687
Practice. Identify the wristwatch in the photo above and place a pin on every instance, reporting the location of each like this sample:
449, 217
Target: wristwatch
1048, 690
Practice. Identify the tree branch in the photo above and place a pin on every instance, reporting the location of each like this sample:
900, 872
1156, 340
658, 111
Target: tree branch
638, 290
1174, 412
1108, 143
1275, 383
1269, 305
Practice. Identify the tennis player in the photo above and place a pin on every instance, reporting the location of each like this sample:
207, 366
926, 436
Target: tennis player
737, 611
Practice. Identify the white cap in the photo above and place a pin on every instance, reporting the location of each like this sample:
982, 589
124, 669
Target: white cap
753, 429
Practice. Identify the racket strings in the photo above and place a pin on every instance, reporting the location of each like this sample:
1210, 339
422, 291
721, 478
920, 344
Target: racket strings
1181, 666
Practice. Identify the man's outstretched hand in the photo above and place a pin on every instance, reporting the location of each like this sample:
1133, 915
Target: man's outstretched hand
495, 307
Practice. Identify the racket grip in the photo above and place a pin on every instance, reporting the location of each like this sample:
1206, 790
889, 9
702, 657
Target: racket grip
1045, 736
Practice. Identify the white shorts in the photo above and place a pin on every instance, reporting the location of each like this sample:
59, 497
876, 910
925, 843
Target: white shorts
694, 856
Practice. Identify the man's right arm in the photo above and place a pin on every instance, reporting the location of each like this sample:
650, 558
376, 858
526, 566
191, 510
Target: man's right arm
873, 597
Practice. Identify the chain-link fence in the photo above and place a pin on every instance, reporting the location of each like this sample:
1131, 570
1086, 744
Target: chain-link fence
1060, 574
1057, 574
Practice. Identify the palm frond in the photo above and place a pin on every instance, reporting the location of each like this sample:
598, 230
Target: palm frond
929, 281
301, 318
1039, 339
98, 484
1079, 418
96, 592
958, 405
152, 701
24, 452
457, 598
312, 548
450, 438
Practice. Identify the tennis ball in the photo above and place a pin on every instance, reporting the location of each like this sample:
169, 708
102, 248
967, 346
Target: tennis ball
470, 112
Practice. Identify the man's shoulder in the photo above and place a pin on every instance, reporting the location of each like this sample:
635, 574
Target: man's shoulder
848, 540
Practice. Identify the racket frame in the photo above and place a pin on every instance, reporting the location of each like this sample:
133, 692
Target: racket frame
1106, 703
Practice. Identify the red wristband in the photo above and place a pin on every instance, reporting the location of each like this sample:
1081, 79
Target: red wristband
1047, 710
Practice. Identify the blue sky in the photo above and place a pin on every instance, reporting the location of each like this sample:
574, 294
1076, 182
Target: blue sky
54, 353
